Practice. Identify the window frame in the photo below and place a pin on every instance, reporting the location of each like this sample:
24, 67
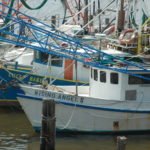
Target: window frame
55, 62
112, 80
102, 76
91, 73
95, 74
132, 80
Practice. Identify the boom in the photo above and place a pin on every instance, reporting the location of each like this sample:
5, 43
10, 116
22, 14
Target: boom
42, 37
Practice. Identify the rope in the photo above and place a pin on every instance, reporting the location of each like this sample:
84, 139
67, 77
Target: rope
70, 118
38, 7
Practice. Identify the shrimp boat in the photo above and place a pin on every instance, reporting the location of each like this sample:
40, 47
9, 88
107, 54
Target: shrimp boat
18, 65
33, 67
116, 100
113, 102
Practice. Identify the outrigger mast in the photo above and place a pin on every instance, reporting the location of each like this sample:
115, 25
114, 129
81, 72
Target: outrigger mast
51, 44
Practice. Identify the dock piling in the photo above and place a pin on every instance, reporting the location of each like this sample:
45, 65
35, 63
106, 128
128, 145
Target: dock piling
121, 142
48, 131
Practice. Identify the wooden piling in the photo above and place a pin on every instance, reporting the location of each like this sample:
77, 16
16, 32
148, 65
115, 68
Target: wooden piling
48, 131
121, 142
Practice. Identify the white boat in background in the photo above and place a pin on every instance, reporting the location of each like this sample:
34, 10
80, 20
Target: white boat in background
21, 56
113, 102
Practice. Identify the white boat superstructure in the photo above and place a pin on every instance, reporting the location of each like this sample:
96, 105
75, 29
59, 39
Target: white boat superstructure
114, 102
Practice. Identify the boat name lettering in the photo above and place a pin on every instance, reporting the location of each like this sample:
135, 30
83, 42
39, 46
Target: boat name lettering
45, 94
17, 76
33, 79
67, 97
58, 96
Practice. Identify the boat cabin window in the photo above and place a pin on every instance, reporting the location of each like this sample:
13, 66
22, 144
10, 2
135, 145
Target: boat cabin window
91, 73
43, 58
56, 61
114, 78
40, 56
137, 80
95, 75
102, 76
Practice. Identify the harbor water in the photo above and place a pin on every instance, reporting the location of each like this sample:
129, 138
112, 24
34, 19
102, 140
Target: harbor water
16, 133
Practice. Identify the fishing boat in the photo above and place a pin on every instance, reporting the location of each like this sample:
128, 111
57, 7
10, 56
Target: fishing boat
20, 66
25, 66
113, 102
116, 100
32, 68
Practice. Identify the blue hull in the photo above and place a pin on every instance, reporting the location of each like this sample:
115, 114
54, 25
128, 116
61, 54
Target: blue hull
9, 79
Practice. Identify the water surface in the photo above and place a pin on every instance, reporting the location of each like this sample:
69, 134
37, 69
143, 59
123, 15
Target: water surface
16, 133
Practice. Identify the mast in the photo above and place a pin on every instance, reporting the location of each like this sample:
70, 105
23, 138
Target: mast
139, 30
79, 8
86, 12
99, 18
120, 16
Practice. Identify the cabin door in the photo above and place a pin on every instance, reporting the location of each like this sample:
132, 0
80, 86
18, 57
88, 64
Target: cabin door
68, 73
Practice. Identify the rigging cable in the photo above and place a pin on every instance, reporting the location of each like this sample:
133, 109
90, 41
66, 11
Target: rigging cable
25, 4
38, 7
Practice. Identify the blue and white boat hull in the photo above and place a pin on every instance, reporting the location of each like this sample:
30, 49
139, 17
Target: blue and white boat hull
9, 78
86, 114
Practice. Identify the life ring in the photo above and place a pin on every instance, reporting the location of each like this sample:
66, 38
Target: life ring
128, 36
109, 30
